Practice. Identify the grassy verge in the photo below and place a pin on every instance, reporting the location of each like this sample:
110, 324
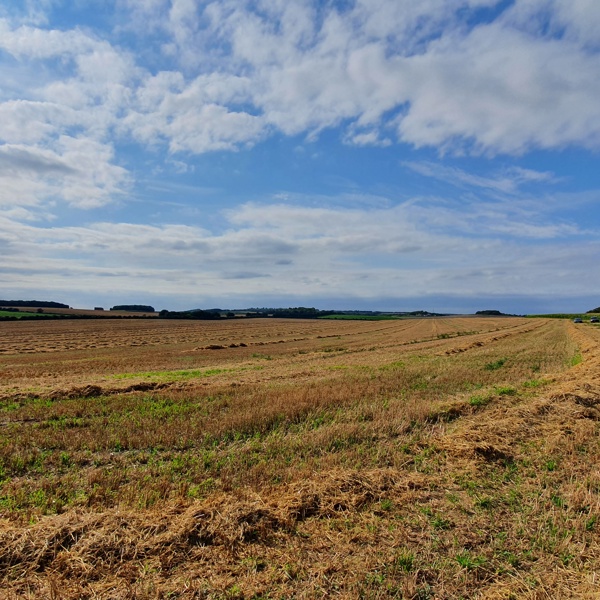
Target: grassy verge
583, 316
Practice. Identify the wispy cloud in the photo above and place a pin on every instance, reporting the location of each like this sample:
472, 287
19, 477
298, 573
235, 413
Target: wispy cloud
308, 252
508, 181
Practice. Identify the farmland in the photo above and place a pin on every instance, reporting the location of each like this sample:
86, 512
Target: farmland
22, 314
417, 458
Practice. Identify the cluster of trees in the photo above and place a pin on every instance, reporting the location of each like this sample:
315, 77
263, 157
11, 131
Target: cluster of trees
594, 310
134, 308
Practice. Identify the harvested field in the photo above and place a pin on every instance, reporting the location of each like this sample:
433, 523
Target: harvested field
423, 458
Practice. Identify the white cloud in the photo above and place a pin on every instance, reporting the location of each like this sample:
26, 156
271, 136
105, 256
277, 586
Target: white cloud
80, 172
37, 43
54, 140
300, 252
577, 21
193, 117
297, 67
494, 86
504, 91
242, 70
367, 138
382, 70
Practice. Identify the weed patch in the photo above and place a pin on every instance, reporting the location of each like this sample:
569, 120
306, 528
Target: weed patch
480, 399
495, 365
176, 375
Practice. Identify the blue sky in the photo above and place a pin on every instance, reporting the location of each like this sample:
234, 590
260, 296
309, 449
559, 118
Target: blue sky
368, 154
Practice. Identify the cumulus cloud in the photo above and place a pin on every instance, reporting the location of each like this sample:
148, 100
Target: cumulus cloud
517, 78
494, 87
418, 68
504, 91
53, 136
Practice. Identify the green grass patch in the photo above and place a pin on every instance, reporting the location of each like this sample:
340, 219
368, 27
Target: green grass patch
405, 561
25, 315
535, 383
505, 390
494, 366
576, 359
480, 399
176, 375
397, 364
470, 561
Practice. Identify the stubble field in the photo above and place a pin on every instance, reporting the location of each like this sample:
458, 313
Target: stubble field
421, 458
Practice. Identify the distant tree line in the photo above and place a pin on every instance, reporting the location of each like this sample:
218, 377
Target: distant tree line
594, 310
299, 312
33, 303
200, 315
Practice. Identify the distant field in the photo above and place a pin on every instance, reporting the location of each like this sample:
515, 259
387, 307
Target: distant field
360, 317
585, 316
406, 458
20, 315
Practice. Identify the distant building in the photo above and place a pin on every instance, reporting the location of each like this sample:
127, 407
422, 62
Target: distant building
98, 308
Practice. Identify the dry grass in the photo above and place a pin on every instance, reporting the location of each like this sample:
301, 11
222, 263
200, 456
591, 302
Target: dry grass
450, 458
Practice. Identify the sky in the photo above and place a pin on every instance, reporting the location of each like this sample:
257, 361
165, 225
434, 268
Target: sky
398, 155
